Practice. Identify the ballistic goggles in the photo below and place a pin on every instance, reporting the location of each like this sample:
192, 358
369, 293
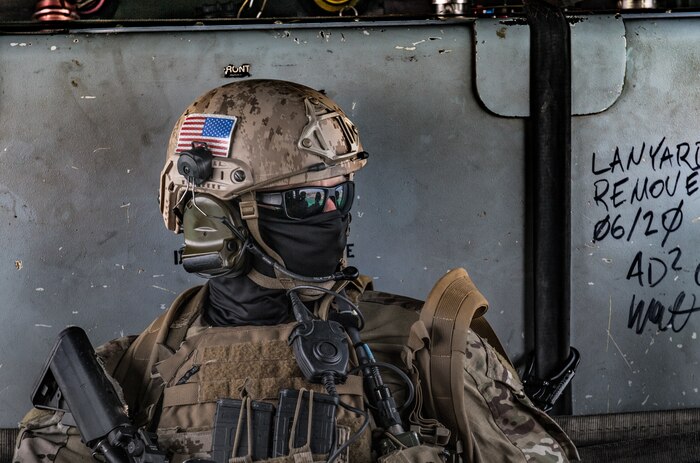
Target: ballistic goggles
303, 202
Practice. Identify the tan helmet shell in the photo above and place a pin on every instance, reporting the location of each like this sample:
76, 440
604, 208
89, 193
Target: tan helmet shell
283, 134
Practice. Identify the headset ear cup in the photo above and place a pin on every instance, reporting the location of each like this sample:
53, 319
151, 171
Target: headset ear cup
212, 249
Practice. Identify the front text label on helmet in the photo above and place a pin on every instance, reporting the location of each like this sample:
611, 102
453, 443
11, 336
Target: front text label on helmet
237, 71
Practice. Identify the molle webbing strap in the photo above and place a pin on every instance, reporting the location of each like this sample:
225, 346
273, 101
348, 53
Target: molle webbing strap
194, 393
417, 360
483, 329
185, 317
447, 314
145, 352
324, 305
143, 349
357, 287
354, 289
184, 394
228, 364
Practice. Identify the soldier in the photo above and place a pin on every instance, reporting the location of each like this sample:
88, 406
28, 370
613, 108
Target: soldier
259, 178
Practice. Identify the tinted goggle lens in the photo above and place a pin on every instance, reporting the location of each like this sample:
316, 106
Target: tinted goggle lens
303, 202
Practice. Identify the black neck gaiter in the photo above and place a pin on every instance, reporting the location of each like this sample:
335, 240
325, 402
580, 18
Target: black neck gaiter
310, 247
239, 301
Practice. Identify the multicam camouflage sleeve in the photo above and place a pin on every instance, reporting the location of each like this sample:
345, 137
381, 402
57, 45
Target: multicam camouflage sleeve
516, 426
43, 439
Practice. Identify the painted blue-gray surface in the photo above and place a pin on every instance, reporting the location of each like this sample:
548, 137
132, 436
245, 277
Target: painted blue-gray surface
84, 123
503, 64
85, 118
631, 364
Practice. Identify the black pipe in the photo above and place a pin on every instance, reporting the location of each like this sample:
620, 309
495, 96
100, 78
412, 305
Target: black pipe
549, 183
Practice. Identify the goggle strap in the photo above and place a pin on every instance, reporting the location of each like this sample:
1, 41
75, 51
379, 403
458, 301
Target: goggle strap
251, 221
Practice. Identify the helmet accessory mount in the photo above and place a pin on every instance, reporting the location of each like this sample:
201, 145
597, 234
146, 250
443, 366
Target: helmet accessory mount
196, 163
332, 146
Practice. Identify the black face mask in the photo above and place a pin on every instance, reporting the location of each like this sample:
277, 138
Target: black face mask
311, 247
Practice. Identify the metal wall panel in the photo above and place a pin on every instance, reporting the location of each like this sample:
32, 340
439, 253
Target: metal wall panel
503, 64
635, 278
635, 261
84, 122
85, 118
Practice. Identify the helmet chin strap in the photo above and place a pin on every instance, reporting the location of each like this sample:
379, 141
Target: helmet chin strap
249, 212
285, 283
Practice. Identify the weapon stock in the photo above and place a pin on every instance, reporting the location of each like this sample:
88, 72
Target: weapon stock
73, 381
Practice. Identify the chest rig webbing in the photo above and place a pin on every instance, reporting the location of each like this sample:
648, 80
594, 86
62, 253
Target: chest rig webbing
186, 368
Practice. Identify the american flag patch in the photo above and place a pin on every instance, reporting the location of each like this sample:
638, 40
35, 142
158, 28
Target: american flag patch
215, 131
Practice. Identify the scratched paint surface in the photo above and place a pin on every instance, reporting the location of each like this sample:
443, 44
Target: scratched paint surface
83, 128
636, 239
84, 124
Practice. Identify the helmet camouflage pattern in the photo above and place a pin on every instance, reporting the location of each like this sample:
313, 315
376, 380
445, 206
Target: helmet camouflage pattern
263, 134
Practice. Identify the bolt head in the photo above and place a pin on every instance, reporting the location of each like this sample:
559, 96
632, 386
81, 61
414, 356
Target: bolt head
239, 176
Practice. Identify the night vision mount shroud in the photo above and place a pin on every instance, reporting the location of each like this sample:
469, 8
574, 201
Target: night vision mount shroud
196, 164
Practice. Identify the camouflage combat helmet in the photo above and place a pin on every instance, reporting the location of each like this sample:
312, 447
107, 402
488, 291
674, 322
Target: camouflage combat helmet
267, 133
241, 138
